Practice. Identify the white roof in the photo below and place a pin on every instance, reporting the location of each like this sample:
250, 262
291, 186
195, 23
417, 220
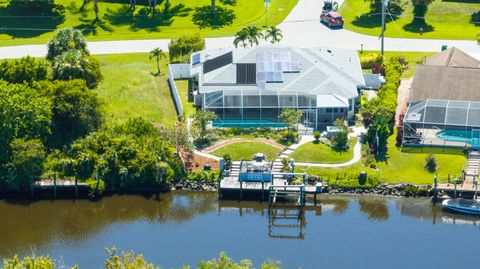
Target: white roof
331, 100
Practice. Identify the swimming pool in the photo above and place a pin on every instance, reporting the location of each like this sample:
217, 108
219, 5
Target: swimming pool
471, 137
247, 124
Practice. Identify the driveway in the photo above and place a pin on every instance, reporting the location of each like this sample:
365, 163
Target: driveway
301, 28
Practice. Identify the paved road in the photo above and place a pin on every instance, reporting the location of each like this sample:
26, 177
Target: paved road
301, 28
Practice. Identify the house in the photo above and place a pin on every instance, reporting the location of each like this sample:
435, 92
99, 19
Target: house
250, 87
444, 101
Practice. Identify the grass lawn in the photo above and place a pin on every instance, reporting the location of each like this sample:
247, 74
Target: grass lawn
444, 20
413, 58
405, 166
317, 152
246, 150
182, 87
129, 88
118, 21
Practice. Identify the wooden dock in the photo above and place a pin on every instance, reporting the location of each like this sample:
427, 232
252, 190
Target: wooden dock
232, 187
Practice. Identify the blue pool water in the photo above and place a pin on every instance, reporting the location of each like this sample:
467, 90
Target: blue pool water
471, 137
247, 124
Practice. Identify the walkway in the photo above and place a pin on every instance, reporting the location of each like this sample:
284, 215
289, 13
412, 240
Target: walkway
301, 28
357, 150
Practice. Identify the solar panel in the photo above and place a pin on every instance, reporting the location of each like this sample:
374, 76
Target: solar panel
246, 73
217, 62
196, 59
271, 66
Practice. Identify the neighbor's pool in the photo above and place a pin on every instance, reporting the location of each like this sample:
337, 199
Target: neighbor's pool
247, 124
471, 137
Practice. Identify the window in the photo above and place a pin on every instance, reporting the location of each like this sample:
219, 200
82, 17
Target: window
329, 110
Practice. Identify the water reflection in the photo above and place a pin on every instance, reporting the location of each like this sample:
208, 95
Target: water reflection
193, 222
375, 208
37, 223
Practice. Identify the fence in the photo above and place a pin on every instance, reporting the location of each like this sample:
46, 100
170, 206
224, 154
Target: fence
177, 71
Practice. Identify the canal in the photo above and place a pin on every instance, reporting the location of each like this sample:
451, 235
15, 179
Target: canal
180, 228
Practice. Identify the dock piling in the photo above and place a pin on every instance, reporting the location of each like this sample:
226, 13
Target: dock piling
54, 185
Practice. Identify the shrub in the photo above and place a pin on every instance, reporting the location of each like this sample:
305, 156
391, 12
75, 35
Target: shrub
227, 161
367, 61
24, 70
182, 47
431, 163
95, 188
316, 135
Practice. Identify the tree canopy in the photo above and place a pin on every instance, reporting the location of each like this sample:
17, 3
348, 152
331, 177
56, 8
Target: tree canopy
64, 40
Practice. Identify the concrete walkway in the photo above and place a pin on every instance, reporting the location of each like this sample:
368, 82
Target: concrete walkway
357, 150
301, 28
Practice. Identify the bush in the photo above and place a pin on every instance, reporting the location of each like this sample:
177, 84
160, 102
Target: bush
95, 188
182, 47
227, 161
316, 135
367, 61
431, 163
24, 70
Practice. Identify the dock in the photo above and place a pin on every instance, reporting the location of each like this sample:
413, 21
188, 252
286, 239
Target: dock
271, 185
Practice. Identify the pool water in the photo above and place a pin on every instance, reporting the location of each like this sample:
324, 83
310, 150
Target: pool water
471, 137
247, 124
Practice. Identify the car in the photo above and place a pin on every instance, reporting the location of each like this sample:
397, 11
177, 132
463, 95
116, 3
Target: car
332, 19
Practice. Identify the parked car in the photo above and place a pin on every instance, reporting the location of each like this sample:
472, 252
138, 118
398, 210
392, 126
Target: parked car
332, 19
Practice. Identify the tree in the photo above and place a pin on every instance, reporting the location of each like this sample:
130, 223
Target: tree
213, 6
274, 34
253, 34
200, 121
241, 37
24, 113
291, 117
26, 163
95, 9
340, 139
74, 65
158, 54
24, 70
379, 131
76, 110
431, 163
65, 40
179, 137
185, 45
36, 262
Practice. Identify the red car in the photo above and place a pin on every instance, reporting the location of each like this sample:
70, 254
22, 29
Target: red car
332, 19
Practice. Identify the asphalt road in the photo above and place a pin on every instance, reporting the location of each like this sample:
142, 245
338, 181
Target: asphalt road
301, 28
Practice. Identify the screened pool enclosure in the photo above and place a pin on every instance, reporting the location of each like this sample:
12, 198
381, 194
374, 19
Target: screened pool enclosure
442, 123
261, 108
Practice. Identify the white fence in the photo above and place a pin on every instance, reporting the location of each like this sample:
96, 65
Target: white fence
177, 71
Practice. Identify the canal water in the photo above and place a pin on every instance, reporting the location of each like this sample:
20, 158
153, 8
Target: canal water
181, 228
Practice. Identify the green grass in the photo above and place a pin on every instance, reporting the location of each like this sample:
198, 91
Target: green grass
182, 87
444, 20
413, 58
117, 22
130, 88
317, 152
404, 166
246, 150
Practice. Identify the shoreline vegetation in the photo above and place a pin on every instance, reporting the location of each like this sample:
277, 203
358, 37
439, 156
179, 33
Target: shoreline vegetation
131, 260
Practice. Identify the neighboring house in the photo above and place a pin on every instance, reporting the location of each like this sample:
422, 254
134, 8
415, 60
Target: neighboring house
444, 101
250, 87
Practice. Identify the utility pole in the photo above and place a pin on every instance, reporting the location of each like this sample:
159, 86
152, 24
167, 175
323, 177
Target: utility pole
384, 4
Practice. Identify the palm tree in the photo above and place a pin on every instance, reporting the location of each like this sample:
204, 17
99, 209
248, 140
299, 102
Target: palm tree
95, 8
157, 53
253, 34
241, 37
274, 34
213, 6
